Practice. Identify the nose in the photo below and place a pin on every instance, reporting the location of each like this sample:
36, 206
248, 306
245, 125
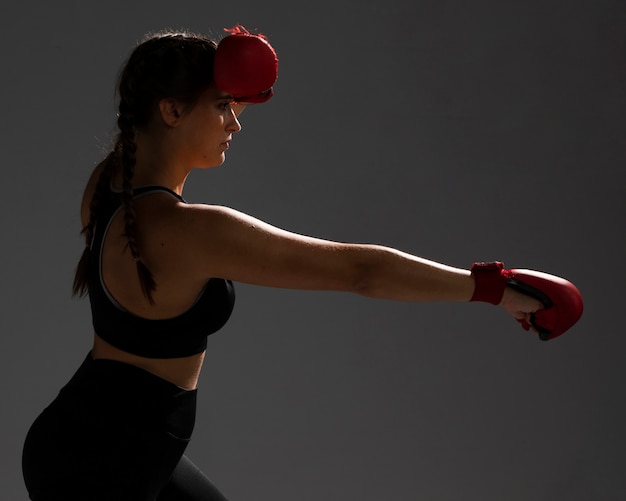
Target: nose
233, 124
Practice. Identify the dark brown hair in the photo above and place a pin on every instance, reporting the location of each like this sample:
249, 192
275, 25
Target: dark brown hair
164, 65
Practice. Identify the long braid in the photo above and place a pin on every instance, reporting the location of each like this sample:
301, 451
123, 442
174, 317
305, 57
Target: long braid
165, 65
127, 153
82, 276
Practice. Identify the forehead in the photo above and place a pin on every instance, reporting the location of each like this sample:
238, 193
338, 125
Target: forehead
213, 93
222, 96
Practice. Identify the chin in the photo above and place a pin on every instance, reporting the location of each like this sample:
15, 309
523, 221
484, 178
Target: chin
206, 164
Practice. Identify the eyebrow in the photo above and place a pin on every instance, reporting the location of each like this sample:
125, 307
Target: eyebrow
224, 97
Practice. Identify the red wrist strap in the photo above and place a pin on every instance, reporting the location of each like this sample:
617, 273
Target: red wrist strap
491, 279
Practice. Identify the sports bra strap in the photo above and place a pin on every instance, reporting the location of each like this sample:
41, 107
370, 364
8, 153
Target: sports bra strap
151, 188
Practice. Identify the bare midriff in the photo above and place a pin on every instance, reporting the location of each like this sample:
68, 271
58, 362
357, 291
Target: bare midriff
183, 372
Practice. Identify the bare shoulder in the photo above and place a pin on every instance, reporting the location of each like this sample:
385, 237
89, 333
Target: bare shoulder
211, 226
218, 219
221, 241
212, 230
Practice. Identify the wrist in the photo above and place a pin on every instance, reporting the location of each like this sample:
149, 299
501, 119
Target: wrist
490, 280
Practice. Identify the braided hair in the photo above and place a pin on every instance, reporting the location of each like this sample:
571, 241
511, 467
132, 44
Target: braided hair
167, 65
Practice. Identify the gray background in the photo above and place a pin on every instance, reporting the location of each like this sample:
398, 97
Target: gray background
457, 130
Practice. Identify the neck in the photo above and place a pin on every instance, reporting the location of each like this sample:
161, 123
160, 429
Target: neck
160, 163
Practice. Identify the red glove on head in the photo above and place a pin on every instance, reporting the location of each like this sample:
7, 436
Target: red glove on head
563, 303
246, 66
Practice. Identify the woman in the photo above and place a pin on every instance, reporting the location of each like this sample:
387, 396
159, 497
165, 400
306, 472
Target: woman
118, 429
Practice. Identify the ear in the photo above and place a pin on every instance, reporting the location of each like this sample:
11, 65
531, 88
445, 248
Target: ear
171, 112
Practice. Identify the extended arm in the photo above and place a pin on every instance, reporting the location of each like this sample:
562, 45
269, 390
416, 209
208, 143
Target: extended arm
229, 244
213, 241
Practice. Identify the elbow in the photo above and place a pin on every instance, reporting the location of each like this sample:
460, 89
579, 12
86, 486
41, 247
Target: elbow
365, 269
362, 285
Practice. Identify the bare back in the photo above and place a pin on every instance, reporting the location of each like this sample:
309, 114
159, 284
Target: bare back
177, 289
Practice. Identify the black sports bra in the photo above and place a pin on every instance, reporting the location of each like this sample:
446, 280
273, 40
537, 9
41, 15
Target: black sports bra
180, 336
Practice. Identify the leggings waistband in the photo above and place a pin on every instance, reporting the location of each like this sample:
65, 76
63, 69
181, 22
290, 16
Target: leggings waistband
104, 376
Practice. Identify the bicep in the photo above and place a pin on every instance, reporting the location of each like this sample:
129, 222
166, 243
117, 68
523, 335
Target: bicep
233, 245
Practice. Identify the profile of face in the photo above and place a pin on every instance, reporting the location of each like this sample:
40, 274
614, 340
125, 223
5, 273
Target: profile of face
205, 130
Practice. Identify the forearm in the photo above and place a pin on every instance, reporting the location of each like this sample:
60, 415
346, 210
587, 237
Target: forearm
387, 273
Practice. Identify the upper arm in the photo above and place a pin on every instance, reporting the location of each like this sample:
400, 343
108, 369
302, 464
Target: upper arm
229, 244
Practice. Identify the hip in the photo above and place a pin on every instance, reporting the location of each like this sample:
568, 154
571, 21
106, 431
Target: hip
112, 427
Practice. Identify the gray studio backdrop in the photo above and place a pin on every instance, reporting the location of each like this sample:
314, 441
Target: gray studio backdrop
457, 130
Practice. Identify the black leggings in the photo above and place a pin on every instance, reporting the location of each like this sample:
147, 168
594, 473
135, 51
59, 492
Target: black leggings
115, 432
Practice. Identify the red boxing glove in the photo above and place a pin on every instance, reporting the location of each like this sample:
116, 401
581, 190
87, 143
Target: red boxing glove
246, 66
563, 303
